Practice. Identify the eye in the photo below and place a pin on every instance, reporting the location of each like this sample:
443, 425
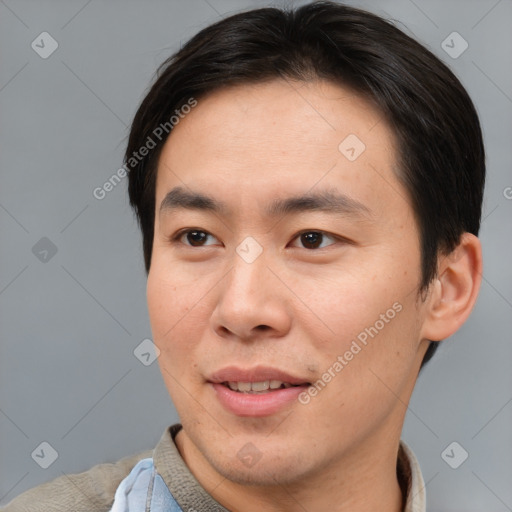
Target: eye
194, 237
314, 239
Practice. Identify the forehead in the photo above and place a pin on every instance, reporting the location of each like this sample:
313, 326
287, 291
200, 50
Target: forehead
254, 140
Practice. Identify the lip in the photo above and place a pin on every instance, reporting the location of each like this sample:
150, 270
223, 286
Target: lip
255, 405
256, 374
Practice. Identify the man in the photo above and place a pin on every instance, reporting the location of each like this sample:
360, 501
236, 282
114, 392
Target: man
309, 187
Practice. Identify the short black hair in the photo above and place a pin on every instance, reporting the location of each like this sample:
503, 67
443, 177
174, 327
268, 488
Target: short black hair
441, 152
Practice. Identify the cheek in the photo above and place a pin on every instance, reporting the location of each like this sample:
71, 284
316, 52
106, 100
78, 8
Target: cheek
169, 307
161, 298
171, 314
342, 303
363, 311
367, 366
179, 306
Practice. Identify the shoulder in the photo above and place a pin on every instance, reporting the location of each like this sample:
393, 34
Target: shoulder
91, 490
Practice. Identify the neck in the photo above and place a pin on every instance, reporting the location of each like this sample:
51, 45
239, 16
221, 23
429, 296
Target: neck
365, 480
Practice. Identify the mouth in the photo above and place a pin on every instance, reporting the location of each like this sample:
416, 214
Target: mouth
259, 391
266, 386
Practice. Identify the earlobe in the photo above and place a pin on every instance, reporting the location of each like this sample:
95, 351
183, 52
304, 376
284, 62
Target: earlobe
455, 290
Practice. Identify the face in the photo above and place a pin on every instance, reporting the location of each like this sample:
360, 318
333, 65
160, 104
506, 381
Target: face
286, 255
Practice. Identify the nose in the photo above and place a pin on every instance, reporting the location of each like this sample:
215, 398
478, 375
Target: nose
252, 302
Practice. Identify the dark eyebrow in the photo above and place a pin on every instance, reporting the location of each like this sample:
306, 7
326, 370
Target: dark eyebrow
180, 198
325, 201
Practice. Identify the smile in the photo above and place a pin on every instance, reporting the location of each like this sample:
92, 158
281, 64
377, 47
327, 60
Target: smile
258, 387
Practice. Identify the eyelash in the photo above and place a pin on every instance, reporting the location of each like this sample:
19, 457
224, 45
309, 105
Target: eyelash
177, 237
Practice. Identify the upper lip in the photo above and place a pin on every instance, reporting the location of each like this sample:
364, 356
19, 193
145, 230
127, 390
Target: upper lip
256, 374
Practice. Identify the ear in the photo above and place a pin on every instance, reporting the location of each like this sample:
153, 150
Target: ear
455, 289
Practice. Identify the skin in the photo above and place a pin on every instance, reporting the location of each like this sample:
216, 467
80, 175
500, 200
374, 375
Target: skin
247, 146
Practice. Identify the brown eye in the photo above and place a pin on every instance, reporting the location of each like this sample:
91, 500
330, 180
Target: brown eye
315, 239
195, 238
311, 240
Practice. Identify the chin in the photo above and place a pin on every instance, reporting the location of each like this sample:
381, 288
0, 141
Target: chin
268, 471
253, 458
260, 463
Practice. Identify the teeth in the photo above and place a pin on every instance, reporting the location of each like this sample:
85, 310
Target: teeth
257, 387
233, 386
244, 387
275, 384
260, 386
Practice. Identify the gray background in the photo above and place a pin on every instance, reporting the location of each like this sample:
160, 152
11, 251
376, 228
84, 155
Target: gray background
69, 325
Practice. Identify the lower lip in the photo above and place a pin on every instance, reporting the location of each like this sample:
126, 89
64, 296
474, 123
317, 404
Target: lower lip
255, 404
